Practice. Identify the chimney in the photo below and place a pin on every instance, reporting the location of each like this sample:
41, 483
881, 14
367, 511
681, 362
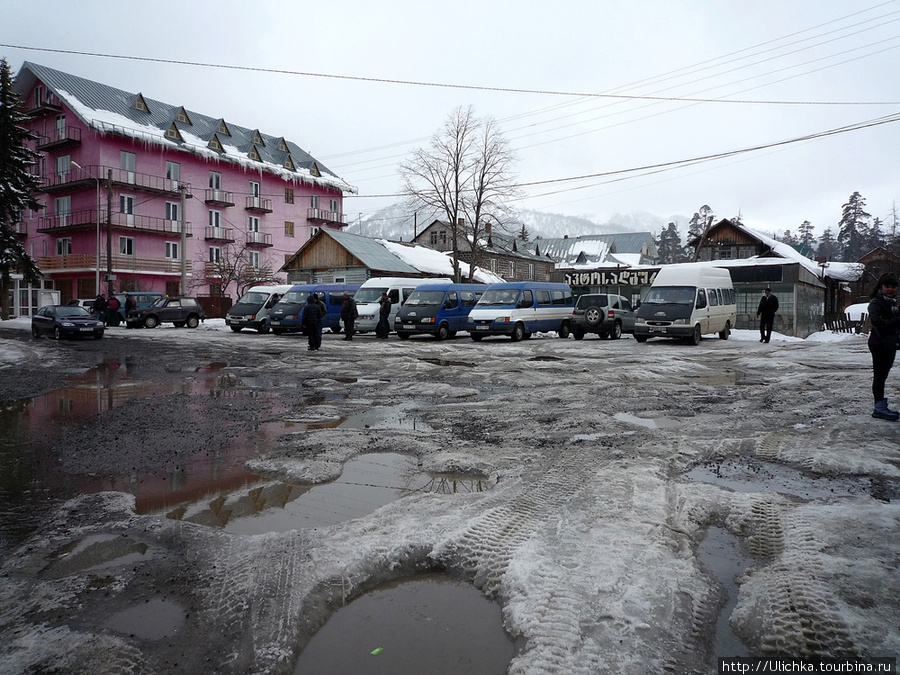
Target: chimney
565, 236
487, 228
461, 223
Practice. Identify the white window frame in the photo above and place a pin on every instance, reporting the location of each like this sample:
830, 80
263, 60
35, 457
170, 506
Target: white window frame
173, 172
63, 165
64, 246
172, 211
126, 246
215, 219
215, 180
253, 224
333, 204
172, 250
253, 259
254, 189
215, 254
62, 209
314, 201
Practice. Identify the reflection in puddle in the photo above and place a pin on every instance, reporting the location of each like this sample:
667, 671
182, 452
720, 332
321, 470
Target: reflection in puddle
647, 423
720, 552
429, 623
152, 620
745, 474
384, 417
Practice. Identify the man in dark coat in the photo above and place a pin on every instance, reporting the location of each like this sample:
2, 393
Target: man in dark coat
312, 322
384, 317
768, 305
99, 308
348, 315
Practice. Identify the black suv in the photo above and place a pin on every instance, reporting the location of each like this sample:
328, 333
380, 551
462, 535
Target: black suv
179, 310
606, 314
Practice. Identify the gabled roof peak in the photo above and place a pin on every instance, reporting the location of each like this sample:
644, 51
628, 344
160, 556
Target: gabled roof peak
138, 103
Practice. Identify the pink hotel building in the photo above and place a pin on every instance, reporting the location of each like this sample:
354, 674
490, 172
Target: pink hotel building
143, 195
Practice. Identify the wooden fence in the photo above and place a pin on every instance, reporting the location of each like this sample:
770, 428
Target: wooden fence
842, 323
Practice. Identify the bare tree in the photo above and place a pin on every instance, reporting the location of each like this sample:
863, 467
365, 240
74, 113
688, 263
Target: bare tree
465, 174
233, 267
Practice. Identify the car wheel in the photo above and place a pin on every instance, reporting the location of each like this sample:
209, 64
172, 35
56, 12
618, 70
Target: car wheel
518, 332
403, 336
57, 333
193, 321
725, 332
578, 334
696, 336
564, 330
476, 337
236, 329
640, 338
263, 328
593, 316
151, 321
443, 332
616, 331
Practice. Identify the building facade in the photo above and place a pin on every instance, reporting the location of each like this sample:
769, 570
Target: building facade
143, 195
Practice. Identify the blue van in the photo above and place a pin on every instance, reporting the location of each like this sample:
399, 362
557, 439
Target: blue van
437, 309
520, 308
285, 317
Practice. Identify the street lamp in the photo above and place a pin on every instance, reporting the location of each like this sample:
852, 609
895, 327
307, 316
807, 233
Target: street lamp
97, 178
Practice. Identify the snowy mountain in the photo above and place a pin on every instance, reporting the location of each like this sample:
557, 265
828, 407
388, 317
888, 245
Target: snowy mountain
399, 223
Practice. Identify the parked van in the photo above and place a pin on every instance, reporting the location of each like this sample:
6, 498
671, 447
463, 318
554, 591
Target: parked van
286, 316
398, 289
687, 301
251, 310
437, 309
519, 309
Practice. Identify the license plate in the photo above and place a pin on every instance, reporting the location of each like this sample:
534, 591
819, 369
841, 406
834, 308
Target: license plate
657, 330
408, 327
86, 330
276, 322
482, 327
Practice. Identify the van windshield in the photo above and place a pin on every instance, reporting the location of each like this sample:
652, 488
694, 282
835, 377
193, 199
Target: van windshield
670, 295
295, 296
426, 298
499, 297
370, 294
253, 298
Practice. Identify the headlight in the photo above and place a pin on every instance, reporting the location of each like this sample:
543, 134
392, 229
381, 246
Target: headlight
679, 322
290, 317
428, 319
640, 320
67, 324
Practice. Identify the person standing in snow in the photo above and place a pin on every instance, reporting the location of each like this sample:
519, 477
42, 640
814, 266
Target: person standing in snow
312, 322
383, 329
884, 315
768, 305
348, 315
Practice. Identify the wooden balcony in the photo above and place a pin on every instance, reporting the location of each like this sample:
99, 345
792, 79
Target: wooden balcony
76, 178
120, 264
87, 220
323, 216
222, 234
259, 239
218, 197
59, 139
258, 205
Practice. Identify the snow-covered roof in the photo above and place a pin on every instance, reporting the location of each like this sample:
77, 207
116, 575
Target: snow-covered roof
428, 260
110, 110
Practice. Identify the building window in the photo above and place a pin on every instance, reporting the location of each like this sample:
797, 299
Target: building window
64, 246
253, 224
173, 171
254, 189
215, 254
126, 245
38, 96
215, 180
288, 195
63, 206
128, 161
63, 165
340, 280
494, 265
512, 269
215, 289
725, 254
434, 239
254, 259
215, 219
442, 235
172, 250
531, 271
172, 210
333, 205
746, 252
313, 231
288, 228
60, 127
314, 201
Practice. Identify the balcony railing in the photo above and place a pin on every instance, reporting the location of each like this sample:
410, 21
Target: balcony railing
87, 218
48, 105
259, 239
77, 178
120, 263
59, 138
259, 205
324, 216
218, 234
218, 197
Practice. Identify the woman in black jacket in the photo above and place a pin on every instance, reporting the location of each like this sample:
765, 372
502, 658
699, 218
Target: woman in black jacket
884, 315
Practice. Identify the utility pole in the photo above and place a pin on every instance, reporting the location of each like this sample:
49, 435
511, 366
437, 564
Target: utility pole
182, 188
109, 284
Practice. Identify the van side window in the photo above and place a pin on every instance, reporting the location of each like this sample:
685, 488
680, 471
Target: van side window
468, 298
451, 301
527, 299
394, 295
713, 297
559, 297
406, 293
701, 299
336, 297
543, 297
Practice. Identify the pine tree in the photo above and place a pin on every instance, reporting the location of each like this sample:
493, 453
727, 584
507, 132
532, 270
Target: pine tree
523, 234
789, 239
806, 235
828, 247
17, 188
668, 245
854, 226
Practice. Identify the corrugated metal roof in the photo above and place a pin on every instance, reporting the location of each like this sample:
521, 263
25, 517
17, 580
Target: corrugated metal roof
93, 96
372, 254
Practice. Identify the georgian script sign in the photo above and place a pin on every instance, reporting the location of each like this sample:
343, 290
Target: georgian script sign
611, 278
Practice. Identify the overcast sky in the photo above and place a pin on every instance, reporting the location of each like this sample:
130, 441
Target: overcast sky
792, 56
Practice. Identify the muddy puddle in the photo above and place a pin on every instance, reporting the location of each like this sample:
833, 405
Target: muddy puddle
722, 554
425, 624
748, 474
155, 619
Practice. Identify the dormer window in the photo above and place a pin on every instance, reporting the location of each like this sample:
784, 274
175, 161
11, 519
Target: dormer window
289, 164
140, 104
314, 170
173, 134
222, 128
282, 145
182, 116
254, 154
257, 139
215, 144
